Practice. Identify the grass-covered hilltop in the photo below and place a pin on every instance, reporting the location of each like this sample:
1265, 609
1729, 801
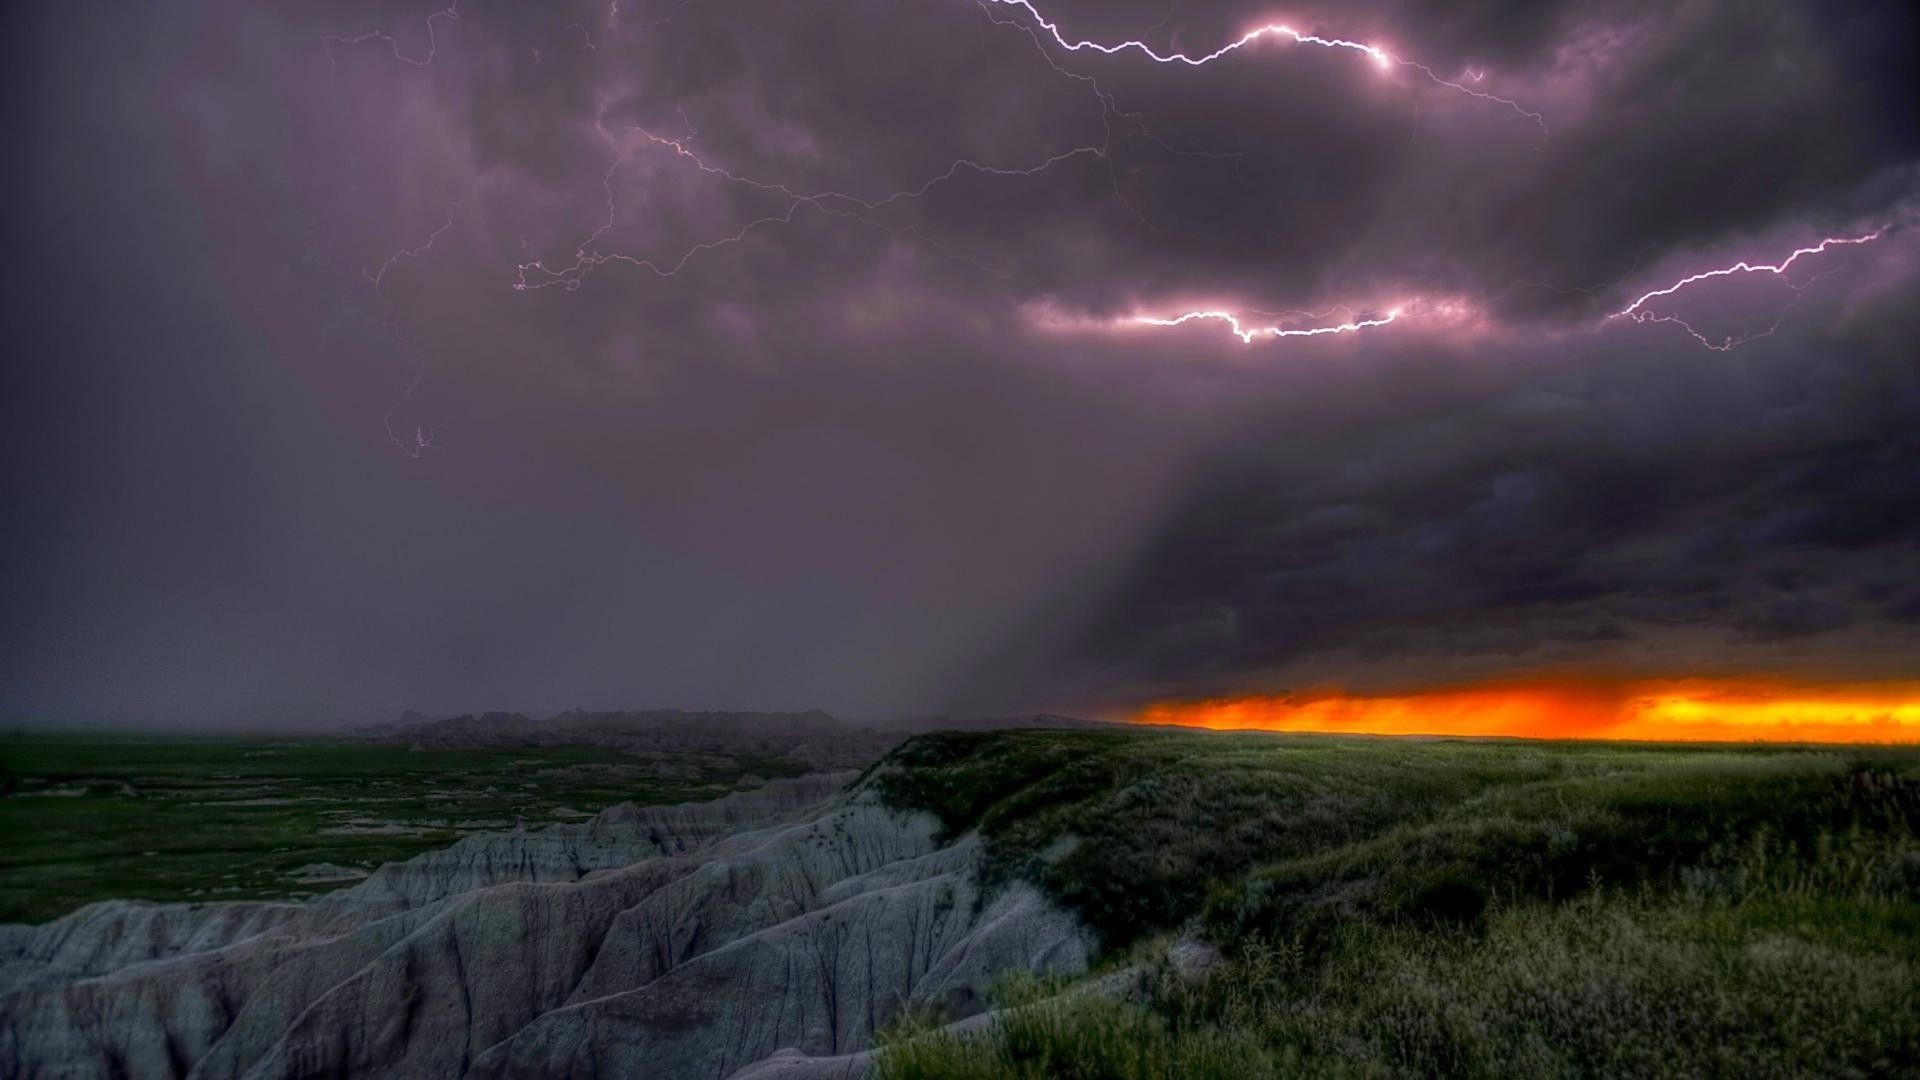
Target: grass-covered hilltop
1438, 908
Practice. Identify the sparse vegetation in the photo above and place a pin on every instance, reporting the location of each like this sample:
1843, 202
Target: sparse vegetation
1447, 908
94, 817
1041, 1036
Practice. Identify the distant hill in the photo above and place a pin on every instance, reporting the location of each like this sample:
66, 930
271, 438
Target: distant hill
677, 729
815, 737
1051, 721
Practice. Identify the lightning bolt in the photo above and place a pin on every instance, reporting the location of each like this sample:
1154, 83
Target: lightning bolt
615, 24
451, 13
378, 277
536, 274
1380, 57
1247, 333
1640, 313
422, 438
385, 314
1109, 112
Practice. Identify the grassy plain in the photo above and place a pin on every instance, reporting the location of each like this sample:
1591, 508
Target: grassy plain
87, 817
1444, 908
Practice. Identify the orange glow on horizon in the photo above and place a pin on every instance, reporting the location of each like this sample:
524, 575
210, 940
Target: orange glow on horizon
1662, 710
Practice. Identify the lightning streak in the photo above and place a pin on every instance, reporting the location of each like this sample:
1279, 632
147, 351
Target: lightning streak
1247, 333
451, 13
379, 277
537, 274
416, 443
1449, 310
1743, 267
1640, 313
1380, 57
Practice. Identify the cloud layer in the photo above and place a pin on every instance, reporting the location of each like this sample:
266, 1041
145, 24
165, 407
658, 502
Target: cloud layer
517, 355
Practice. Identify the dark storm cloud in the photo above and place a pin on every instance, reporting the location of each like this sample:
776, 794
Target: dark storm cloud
829, 450
1614, 505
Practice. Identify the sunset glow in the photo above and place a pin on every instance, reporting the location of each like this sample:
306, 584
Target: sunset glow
1710, 710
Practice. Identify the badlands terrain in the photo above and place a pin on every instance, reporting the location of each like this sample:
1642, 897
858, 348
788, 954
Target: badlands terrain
1088, 902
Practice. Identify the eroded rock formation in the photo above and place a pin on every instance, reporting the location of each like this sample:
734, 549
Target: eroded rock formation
770, 933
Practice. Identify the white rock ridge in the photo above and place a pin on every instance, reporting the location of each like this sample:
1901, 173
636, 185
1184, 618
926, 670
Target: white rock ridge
771, 932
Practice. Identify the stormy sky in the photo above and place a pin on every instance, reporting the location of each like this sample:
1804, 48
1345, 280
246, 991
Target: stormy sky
778, 355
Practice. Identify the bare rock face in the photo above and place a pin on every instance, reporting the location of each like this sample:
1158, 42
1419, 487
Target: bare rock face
769, 933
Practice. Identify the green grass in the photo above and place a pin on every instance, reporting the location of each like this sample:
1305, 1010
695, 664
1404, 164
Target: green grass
1042, 1037
94, 816
1447, 908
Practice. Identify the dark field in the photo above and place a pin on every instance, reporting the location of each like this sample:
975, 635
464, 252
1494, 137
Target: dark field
93, 817
1444, 908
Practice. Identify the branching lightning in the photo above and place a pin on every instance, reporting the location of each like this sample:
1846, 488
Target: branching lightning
451, 13
871, 210
536, 274
1380, 57
422, 438
1639, 311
